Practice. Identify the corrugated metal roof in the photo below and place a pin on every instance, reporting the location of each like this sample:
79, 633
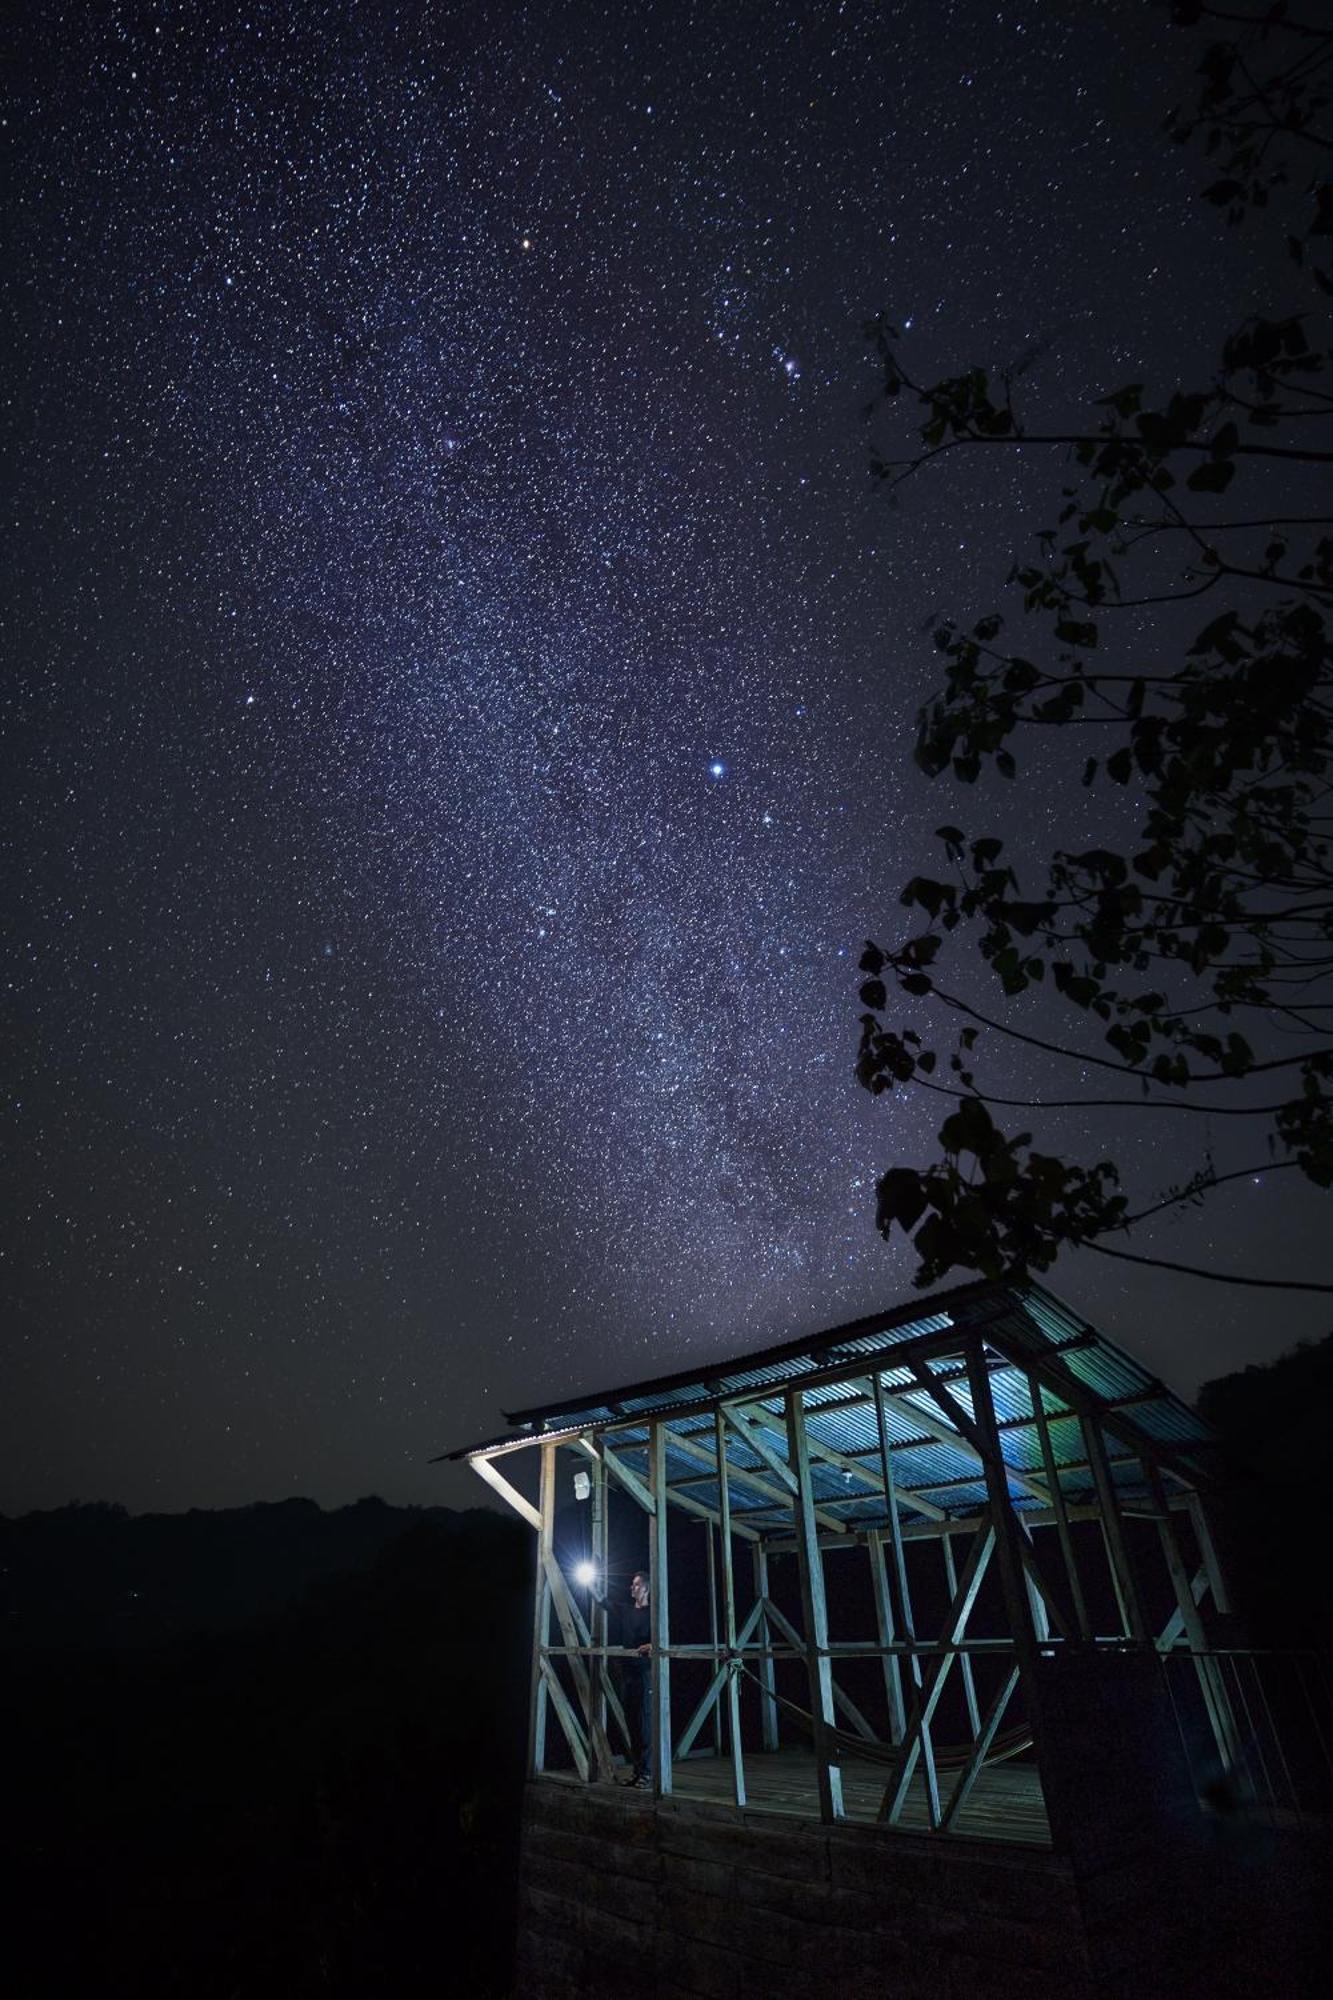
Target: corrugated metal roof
1170, 1420
848, 1431
1022, 1325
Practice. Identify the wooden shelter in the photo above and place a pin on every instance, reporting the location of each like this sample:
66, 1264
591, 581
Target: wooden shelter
1017, 1510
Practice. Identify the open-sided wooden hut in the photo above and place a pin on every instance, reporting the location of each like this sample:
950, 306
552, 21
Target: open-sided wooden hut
1020, 1770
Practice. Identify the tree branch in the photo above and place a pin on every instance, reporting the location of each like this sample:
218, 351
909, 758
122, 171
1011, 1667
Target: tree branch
1197, 1271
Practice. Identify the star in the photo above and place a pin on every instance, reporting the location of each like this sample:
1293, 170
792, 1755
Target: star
503, 551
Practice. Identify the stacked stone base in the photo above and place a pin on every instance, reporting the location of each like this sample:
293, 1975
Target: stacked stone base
688, 1901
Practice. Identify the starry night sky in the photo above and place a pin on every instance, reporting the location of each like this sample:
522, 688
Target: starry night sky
459, 686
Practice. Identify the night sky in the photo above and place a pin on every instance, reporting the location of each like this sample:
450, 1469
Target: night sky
459, 687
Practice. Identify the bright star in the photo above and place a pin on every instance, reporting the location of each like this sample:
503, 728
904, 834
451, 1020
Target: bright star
717, 769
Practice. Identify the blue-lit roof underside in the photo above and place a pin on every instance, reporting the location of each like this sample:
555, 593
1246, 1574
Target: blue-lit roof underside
936, 1469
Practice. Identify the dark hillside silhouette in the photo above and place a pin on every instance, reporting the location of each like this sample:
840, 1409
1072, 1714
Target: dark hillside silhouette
1274, 1424
91, 1574
274, 1750
319, 1798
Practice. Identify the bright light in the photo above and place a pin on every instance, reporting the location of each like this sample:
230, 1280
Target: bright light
585, 1573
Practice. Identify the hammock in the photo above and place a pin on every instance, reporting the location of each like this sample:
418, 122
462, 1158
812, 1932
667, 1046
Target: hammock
947, 1756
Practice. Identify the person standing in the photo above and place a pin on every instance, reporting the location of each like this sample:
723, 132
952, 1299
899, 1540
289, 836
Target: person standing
637, 1633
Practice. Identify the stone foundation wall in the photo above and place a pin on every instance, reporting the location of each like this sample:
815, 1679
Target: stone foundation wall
694, 1902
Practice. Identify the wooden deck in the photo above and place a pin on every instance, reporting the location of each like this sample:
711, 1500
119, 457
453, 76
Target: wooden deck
1006, 1802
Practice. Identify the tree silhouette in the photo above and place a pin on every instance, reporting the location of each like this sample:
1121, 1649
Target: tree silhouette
1196, 966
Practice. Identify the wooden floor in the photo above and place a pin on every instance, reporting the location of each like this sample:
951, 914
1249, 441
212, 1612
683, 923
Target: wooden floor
1006, 1802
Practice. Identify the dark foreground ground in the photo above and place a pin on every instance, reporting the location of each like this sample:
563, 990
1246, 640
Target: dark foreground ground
274, 1751
316, 1799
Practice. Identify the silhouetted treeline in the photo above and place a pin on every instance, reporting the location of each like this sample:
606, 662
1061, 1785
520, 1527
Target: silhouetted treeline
277, 1751
1274, 1422
94, 1575
289, 1765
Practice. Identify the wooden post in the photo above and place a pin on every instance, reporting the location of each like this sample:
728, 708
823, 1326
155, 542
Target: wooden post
597, 1552
577, 1639
1058, 1508
884, 1631
1013, 1578
732, 1690
933, 1680
768, 1708
985, 1736
827, 1771
1134, 1623
1041, 1619
964, 1662
1208, 1552
1216, 1700
905, 1619
710, 1548
659, 1605
541, 1615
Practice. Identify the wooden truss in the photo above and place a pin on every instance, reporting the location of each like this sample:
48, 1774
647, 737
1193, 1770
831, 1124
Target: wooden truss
764, 1466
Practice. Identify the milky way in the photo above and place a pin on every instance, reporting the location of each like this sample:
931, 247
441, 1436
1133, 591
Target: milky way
462, 677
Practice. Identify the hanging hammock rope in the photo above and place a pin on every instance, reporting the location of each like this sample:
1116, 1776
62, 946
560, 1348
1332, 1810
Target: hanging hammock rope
947, 1756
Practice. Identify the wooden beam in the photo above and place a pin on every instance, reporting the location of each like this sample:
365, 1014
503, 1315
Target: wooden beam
742, 1475
1174, 1627
1059, 1510
600, 1451
754, 1440
1031, 1351
688, 1505
1203, 1533
599, 1550
1008, 1539
964, 1664
931, 1684
509, 1494
844, 1461
841, 1700
948, 1341
1123, 1579
733, 1693
568, 1621
900, 1598
1047, 1607
768, 1708
971, 1436
541, 1616
815, 1610
707, 1703
567, 1719
885, 1634
659, 1607
985, 1736
710, 1552
908, 1494
1114, 1404
956, 1524
1217, 1701
586, 1642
